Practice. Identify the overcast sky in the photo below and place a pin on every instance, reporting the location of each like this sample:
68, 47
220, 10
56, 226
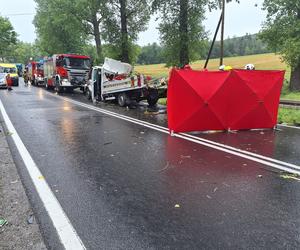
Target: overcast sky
240, 19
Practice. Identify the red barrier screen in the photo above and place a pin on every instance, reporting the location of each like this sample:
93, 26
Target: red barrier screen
223, 100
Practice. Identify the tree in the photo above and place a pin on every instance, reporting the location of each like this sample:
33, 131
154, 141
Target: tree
22, 51
281, 32
91, 15
126, 20
181, 32
8, 37
151, 54
58, 32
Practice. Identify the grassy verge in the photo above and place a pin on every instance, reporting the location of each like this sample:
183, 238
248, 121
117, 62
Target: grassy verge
295, 96
289, 115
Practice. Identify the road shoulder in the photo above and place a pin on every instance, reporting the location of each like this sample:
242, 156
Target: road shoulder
21, 231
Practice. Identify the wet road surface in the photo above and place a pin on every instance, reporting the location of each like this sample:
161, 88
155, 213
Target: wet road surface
125, 186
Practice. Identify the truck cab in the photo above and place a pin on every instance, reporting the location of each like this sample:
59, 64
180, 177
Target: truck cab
114, 80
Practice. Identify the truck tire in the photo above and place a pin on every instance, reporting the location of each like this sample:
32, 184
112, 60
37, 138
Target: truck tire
58, 88
123, 99
88, 94
152, 97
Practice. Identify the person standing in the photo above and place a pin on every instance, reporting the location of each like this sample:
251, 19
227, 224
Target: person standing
9, 82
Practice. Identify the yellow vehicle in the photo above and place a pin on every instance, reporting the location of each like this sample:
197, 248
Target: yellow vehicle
10, 68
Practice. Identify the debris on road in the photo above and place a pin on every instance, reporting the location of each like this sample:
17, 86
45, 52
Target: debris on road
8, 133
208, 197
3, 222
290, 176
259, 176
215, 189
177, 206
185, 157
30, 219
165, 168
14, 182
107, 143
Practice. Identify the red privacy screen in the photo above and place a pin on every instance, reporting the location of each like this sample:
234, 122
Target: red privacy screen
223, 100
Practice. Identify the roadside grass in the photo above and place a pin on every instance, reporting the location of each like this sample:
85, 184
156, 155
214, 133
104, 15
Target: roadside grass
289, 116
295, 96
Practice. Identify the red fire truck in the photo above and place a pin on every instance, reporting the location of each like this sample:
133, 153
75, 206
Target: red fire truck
66, 71
36, 72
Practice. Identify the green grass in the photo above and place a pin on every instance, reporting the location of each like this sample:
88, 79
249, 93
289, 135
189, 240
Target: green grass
289, 116
261, 61
295, 96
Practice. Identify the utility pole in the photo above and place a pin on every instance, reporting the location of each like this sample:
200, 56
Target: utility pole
222, 32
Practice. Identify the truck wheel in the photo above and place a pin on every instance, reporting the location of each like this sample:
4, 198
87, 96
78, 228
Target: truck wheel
58, 88
88, 94
123, 99
152, 97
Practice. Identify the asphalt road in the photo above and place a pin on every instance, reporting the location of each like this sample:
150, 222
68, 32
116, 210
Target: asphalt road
125, 186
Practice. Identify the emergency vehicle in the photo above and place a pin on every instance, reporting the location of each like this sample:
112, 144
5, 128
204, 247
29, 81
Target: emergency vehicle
66, 71
114, 80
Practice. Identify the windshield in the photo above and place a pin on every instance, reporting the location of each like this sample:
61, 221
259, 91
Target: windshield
77, 62
40, 66
7, 70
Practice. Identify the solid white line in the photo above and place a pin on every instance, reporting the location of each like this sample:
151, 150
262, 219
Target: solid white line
244, 151
160, 128
284, 166
288, 126
66, 232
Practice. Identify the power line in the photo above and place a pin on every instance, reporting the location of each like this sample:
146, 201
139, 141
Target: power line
19, 14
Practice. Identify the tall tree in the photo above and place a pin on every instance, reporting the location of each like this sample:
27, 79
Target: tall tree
282, 33
126, 20
57, 30
181, 32
8, 37
91, 14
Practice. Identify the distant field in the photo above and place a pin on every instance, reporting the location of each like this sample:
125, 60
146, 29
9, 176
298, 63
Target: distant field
262, 61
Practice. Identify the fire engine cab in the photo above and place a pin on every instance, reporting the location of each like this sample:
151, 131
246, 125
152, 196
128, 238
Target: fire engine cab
66, 71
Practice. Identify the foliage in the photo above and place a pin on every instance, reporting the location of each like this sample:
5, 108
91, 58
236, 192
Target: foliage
282, 33
181, 32
126, 20
236, 46
91, 14
289, 116
58, 32
151, 54
8, 37
22, 51
241, 46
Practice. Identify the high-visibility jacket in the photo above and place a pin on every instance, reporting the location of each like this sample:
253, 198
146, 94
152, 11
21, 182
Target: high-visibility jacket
9, 81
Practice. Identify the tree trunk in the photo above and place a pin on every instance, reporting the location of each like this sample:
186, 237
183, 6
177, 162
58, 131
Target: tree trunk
99, 58
222, 32
124, 33
184, 38
295, 79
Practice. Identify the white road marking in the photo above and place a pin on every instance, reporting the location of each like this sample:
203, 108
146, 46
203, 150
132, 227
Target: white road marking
280, 165
66, 232
288, 126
